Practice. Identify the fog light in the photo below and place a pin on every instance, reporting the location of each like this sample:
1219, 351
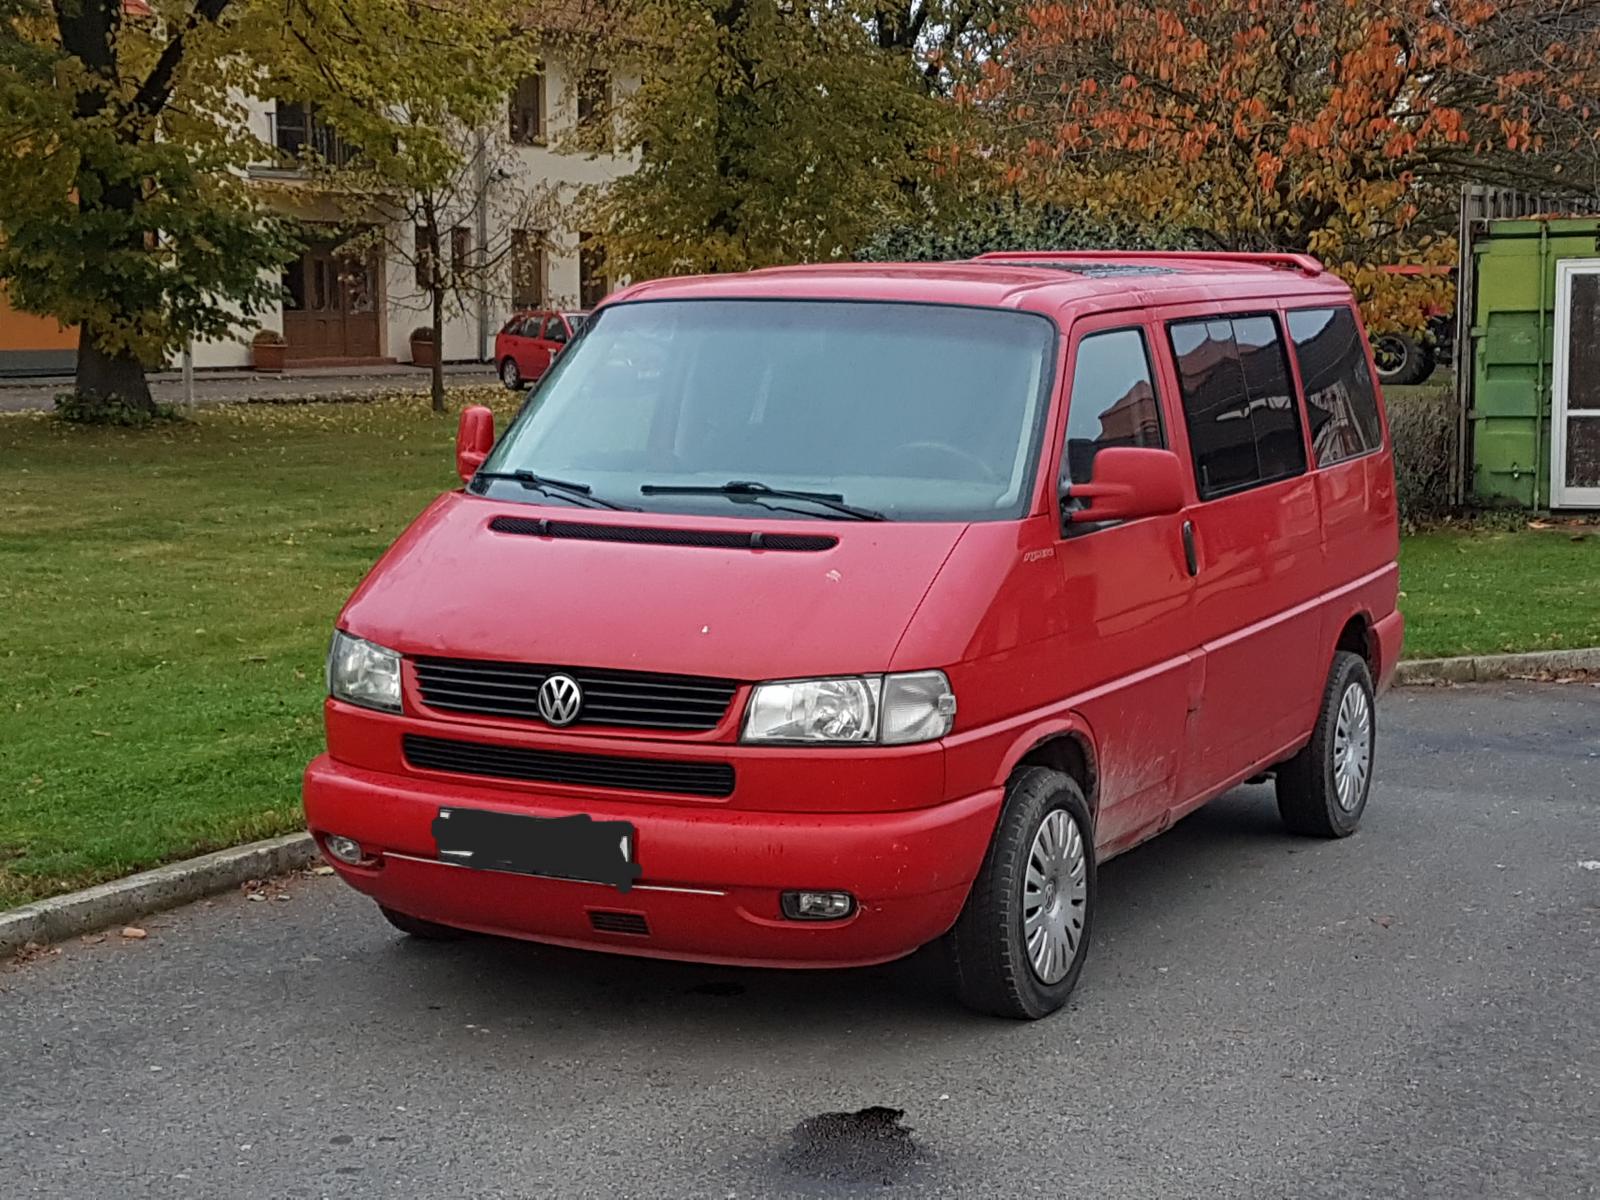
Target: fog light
346, 850
818, 906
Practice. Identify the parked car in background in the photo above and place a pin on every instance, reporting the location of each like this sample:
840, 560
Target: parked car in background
530, 341
818, 613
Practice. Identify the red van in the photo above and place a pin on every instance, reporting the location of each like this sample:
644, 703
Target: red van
880, 608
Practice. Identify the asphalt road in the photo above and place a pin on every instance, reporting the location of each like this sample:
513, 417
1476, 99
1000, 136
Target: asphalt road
1412, 1012
227, 386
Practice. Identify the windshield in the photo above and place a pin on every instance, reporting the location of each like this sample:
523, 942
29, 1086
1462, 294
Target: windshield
916, 411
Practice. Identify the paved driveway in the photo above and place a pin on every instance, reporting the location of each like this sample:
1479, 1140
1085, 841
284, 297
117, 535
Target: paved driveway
1413, 1012
221, 387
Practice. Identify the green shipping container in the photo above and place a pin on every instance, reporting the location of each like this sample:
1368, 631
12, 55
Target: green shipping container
1516, 365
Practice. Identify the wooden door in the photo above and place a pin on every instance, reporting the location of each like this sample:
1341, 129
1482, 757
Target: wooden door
332, 307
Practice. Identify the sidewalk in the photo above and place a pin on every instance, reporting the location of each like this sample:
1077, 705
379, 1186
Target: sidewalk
231, 385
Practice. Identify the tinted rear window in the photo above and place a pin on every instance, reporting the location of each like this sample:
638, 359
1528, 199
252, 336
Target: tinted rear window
1238, 402
1341, 403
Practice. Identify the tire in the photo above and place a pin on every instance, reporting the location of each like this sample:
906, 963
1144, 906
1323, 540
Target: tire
1400, 360
510, 376
418, 928
1309, 796
994, 970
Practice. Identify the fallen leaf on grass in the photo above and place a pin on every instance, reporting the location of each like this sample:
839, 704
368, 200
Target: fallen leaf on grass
323, 869
134, 933
1384, 921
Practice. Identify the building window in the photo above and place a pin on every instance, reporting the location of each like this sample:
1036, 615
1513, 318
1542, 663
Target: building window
421, 257
527, 110
1113, 400
594, 97
297, 131
592, 285
1341, 403
527, 268
1238, 402
460, 252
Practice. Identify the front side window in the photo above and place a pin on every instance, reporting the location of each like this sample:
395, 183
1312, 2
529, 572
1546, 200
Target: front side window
1341, 403
917, 412
1113, 401
1238, 403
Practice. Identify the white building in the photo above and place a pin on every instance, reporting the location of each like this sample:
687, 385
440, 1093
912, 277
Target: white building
336, 313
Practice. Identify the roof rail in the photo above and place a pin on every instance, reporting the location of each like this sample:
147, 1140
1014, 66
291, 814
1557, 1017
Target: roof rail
1304, 263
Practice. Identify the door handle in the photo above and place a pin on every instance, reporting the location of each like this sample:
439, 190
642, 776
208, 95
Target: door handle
1188, 549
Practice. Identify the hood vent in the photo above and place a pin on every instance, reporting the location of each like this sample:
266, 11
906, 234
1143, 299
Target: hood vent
723, 539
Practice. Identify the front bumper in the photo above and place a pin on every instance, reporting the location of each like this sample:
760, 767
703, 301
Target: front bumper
711, 878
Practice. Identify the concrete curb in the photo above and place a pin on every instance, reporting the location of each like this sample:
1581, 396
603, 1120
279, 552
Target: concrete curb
122, 900
1483, 668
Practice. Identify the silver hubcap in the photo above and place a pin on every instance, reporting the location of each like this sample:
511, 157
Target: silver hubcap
1055, 895
1352, 746
508, 374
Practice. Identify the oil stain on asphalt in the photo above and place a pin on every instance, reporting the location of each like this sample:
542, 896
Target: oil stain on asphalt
872, 1145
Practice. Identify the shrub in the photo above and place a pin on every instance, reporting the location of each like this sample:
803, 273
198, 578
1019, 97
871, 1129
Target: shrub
1005, 226
112, 410
1424, 447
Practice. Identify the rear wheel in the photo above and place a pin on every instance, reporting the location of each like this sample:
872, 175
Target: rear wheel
1020, 942
510, 376
418, 928
1322, 791
1401, 359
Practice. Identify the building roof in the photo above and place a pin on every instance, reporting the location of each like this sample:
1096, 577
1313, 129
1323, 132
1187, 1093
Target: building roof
1022, 279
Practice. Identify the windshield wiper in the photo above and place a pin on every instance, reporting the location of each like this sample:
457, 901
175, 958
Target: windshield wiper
750, 487
578, 493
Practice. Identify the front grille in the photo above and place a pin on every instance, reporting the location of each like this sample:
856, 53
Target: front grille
559, 766
688, 703
620, 922
726, 539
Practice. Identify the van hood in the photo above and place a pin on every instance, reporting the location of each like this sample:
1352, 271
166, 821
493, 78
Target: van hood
452, 586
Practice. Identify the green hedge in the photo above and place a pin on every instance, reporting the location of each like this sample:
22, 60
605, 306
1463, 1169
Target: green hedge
1014, 227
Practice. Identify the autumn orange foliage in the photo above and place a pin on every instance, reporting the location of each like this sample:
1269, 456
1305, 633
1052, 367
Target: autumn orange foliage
1343, 128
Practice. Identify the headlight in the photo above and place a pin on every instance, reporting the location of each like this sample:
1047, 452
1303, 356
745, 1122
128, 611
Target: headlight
892, 709
363, 673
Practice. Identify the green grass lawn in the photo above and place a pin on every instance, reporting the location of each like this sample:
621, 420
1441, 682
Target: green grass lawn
1488, 593
166, 599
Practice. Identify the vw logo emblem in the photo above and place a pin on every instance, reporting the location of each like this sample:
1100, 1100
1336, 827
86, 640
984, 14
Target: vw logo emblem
560, 698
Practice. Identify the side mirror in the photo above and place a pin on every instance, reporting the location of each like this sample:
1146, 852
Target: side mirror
474, 440
1128, 482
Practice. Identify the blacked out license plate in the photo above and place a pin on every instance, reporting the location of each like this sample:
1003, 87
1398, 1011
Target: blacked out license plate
576, 847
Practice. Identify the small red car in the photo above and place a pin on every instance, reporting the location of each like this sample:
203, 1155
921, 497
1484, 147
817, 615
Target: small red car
816, 614
528, 343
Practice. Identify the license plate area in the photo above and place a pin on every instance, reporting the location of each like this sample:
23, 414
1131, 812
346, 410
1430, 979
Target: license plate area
576, 847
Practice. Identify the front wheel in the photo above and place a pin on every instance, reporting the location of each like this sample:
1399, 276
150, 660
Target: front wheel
510, 376
1322, 790
1019, 945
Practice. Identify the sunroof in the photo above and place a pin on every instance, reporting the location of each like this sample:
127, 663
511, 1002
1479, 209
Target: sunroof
1091, 269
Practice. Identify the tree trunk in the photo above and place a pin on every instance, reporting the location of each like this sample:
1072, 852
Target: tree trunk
104, 379
436, 373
